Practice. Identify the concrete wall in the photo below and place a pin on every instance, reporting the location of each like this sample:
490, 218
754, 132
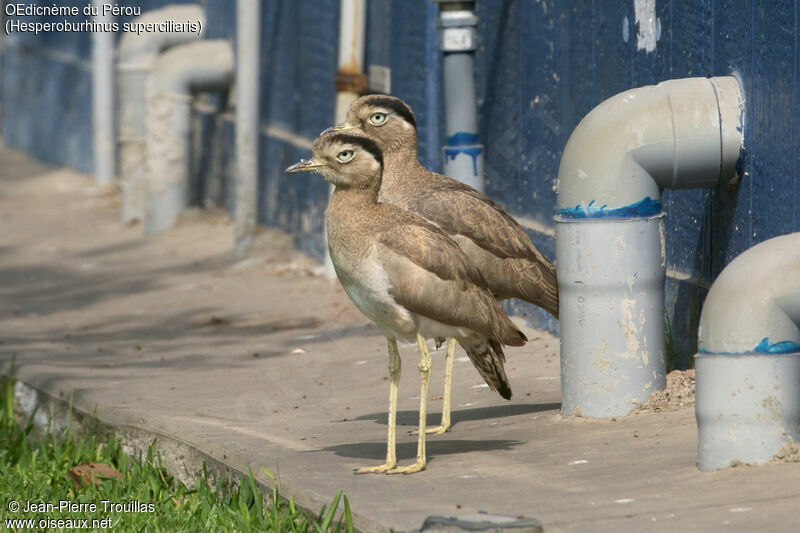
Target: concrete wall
542, 65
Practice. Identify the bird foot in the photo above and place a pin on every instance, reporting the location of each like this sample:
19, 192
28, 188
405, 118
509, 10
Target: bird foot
380, 469
438, 430
419, 466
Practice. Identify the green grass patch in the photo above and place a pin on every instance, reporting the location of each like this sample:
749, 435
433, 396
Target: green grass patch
35, 470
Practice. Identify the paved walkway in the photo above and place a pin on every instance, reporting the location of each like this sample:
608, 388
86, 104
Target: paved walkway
259, 362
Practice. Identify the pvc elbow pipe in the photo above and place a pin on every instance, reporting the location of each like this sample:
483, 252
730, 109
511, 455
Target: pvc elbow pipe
748, 368
201, 65
610, 240
754, 304
135, 58
679, 134
139, 50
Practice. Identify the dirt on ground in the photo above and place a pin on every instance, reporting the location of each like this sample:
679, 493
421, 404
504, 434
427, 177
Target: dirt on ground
678, 394
788, 453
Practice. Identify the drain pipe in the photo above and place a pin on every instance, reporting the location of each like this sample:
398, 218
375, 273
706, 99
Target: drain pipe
458, 40
135, 58
748, 368
610, 242
351, 82
103, 97
178, 72
248, 89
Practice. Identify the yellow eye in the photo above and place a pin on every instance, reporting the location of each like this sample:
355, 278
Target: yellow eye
345, 155
378, 118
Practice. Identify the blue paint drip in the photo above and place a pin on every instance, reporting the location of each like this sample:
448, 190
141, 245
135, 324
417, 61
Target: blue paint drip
765, 347
464, 143
644, 208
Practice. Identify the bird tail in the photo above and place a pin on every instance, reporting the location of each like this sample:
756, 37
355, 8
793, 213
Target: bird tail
505, 331
549, 301
489, 360
542, 289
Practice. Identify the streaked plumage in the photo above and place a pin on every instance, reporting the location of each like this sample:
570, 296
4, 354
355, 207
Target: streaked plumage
405, 273
494, 242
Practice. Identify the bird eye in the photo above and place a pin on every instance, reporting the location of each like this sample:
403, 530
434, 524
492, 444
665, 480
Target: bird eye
377, 118
345, 155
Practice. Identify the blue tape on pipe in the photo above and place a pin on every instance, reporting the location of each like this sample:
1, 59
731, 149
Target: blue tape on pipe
643, 208
462, 138
464, 143
766, 347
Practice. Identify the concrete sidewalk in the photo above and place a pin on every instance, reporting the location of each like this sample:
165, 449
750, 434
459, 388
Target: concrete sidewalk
259, 362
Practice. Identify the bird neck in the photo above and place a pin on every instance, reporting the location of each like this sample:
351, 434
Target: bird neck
401, 157
355, 195
350, 213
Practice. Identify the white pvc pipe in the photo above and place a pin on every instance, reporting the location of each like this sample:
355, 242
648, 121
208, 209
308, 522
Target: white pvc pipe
748, 368
135, 57
248, 48
201, 65
103, 99
678, 134
139, 50
458, 40
754, 304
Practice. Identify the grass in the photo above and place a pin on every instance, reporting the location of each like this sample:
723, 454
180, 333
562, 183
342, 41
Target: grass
36, 469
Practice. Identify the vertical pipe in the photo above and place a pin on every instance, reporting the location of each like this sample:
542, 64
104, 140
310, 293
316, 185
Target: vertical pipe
351, 82
458, 37
350, 79
136, 54
248, 46
103, 98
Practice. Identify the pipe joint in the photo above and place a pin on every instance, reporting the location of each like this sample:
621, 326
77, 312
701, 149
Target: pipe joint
754, 304
138, 51
678, 134
197, 66
458, 26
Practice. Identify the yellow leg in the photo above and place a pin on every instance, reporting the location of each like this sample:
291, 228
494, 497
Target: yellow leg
424, 378
448, 387
394, 374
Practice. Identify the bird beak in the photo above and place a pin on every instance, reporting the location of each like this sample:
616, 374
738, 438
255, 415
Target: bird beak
339, 127
304, 166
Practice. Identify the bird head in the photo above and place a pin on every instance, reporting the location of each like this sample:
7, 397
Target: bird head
347, 159
387, 119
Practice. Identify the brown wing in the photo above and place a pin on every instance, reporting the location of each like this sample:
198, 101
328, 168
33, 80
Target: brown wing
430, 275
500, 247
459, 209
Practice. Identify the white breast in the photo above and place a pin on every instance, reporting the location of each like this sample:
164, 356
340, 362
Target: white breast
368, 287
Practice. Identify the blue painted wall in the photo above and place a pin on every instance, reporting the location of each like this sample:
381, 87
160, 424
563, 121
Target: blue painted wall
541, 66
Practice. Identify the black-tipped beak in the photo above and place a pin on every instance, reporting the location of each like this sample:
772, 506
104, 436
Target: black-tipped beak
303, 166
338, 127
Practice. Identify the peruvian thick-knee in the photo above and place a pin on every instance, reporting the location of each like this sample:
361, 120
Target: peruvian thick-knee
405, 274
